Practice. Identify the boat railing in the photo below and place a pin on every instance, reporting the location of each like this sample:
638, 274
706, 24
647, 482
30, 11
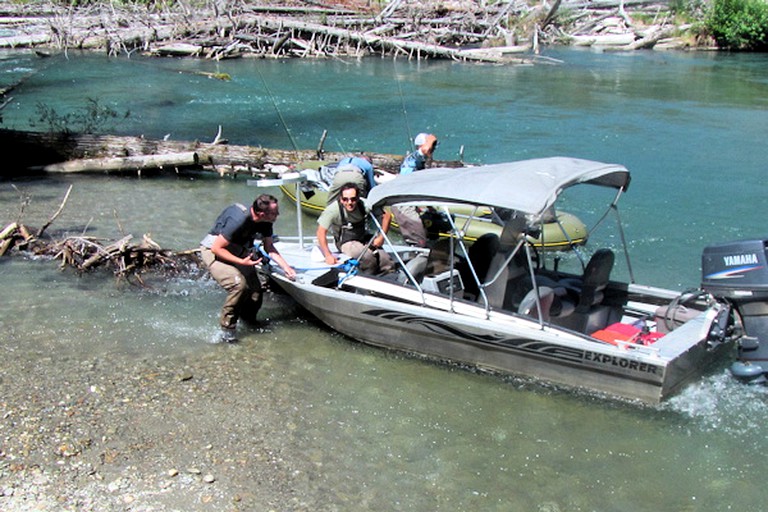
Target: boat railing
432, 300
295, 178
458, 238
613, 207
409, 275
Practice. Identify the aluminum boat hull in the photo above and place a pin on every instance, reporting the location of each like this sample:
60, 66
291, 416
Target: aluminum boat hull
379, 313
498, 305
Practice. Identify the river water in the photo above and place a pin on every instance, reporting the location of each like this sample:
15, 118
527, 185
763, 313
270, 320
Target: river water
394, 433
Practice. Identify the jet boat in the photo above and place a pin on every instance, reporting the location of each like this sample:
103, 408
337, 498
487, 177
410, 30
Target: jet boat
501, 305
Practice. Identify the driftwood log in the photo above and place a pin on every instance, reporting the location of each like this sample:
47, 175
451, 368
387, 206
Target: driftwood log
497, 31
125, 258
62, 153
83, 253
125, 164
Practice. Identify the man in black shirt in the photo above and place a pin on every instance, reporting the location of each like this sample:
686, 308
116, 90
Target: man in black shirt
226, 252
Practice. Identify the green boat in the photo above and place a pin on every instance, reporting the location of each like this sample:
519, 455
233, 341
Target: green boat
564, 231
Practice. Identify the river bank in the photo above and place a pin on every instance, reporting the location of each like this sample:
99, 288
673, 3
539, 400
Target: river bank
160, 433
198, 429
505, 32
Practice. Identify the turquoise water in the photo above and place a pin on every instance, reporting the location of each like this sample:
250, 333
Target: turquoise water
690, 127
399, 434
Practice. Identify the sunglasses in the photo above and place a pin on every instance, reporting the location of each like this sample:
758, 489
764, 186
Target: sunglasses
348, 199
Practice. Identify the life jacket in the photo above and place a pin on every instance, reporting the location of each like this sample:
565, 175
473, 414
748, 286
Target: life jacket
351, 231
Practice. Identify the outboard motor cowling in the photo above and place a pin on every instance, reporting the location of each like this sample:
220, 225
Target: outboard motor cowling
738, 273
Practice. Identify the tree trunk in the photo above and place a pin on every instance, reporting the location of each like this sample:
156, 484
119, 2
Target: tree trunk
122, 164
45, 152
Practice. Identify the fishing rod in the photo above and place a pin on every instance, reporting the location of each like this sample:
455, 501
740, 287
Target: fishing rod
402, 103
282, 119
279, 114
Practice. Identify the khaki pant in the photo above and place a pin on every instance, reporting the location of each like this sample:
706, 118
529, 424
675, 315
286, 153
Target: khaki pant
341, 178
410, 225
371, 261
244, 291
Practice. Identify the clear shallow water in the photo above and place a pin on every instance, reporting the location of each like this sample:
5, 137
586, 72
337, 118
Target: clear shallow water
690, 127
390, 432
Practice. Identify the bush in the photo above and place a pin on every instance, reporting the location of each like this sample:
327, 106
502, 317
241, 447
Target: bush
90, 119
739, 24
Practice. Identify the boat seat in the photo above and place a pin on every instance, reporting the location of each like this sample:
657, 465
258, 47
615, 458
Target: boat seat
433, 263
546, 299
588, 290
504, 269
439, 258
582, 301
417, 266
480, 254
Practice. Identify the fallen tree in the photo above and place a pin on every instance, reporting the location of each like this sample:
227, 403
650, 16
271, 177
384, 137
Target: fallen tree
125, 258
69, 153
125, 164
494, 31
419, 30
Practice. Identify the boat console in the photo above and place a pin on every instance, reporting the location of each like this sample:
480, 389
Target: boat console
737, 272
441, 283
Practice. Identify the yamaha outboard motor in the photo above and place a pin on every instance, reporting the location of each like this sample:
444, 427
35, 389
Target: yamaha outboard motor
738, 273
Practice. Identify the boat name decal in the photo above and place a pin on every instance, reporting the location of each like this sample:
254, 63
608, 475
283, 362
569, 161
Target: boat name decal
620, 362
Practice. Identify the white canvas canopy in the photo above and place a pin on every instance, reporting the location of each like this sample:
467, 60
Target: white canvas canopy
528, 186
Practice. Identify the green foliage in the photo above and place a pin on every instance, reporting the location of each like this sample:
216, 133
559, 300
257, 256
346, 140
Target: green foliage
90, 119
691, 8
739, 24
687, 11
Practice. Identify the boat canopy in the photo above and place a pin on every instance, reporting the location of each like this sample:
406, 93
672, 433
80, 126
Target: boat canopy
528, 186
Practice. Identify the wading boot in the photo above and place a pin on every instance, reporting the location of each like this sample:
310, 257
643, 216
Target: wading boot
228, 335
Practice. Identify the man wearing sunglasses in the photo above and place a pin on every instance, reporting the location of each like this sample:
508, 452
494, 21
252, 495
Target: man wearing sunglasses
346, 219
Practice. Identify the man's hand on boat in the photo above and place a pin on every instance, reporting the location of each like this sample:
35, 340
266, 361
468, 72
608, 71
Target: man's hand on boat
378, 242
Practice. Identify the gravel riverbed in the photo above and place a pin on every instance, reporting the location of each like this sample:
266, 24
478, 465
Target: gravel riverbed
155, 434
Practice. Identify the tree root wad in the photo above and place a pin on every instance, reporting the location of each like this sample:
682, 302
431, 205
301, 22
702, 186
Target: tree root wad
123, 257
83, 253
